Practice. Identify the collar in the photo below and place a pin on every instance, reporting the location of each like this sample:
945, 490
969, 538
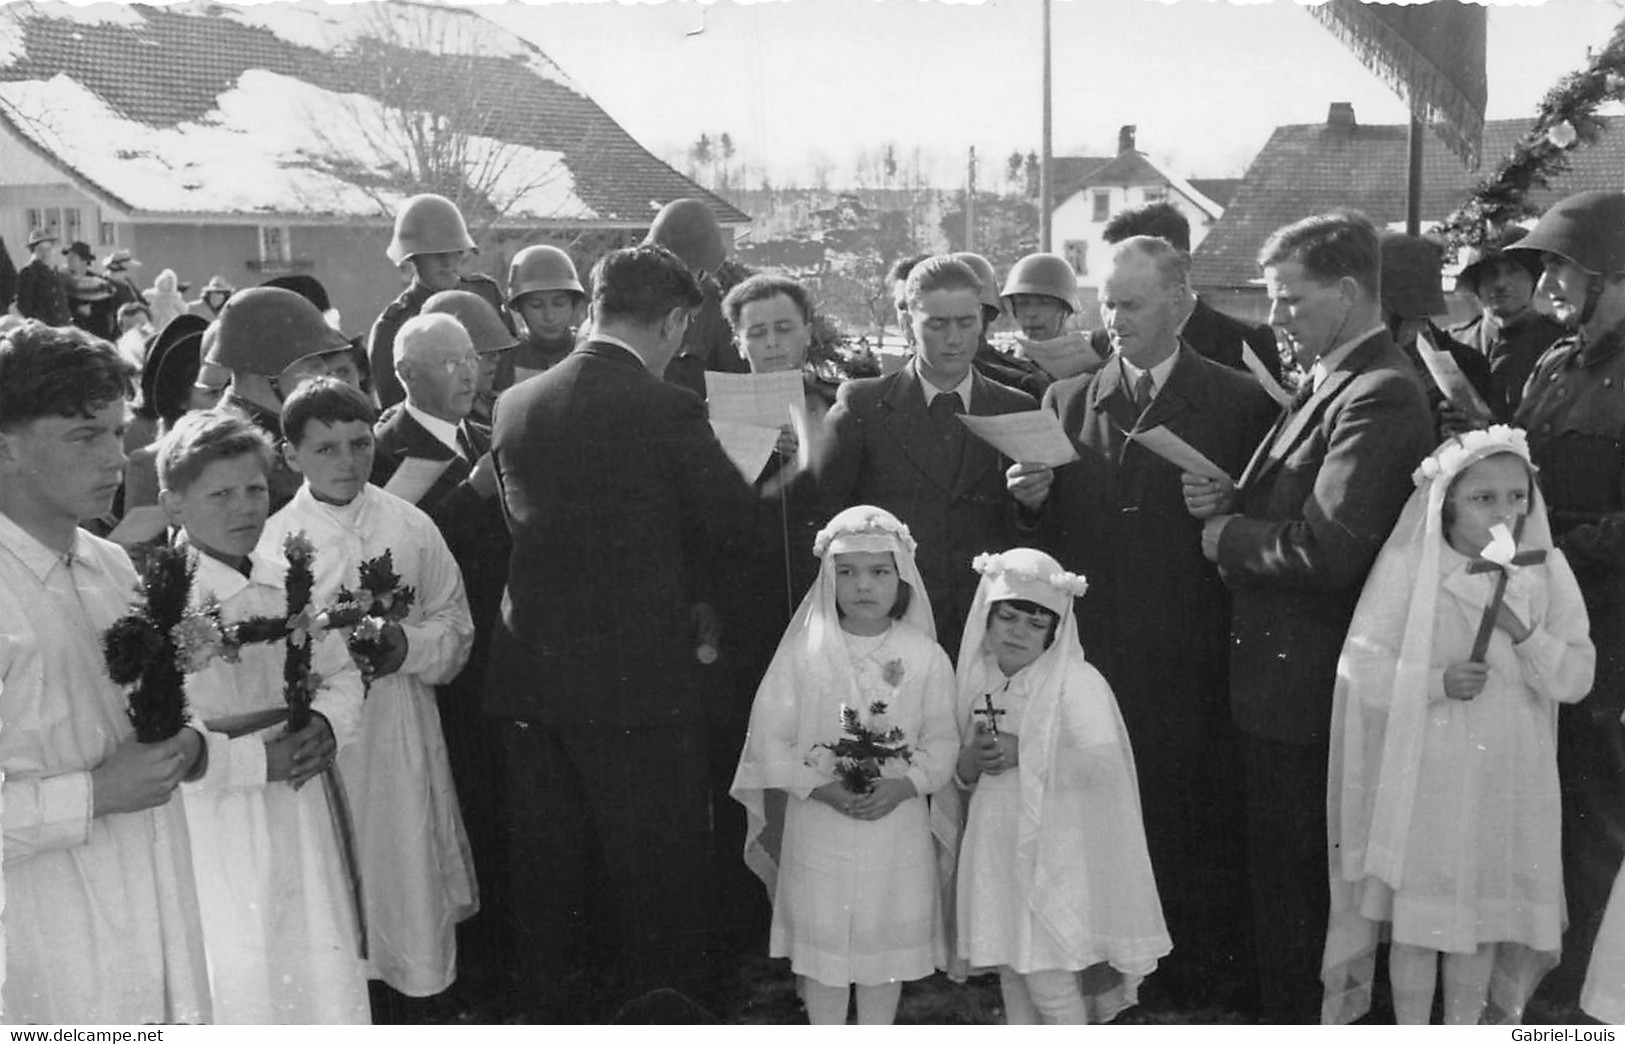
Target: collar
962, 389
617, 342
1159, 372
221, 580
444, 431
40, 559
1604, 347
1327, 364
347, 515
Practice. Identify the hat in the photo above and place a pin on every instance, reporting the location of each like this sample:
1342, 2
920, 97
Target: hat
1026, 574
120, 258
1410, 276
176, 330
177, 373
81, 250
40, 235
217, 285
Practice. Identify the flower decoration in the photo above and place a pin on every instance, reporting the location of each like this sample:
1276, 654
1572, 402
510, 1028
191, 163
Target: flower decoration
893, 673
995, 565
872, 523
1562, 134
381, 600
1502, 547
139, 649
1460, 450
299, 682
863, 749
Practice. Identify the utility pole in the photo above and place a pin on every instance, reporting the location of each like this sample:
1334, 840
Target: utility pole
1044, 154
970, 202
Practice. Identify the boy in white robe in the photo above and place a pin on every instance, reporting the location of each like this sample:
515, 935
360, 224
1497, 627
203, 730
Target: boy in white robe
99, 922
279, 926
414, 854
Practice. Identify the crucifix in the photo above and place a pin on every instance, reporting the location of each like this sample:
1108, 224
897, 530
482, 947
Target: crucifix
990, 713
1486, 626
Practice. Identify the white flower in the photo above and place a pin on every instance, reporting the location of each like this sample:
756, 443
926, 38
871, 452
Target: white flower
1068, 583
1502, 548
873, 523
1562, 134
1461, 450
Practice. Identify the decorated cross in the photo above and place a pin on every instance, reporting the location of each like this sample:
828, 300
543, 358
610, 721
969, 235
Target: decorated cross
990, 713
1501, 556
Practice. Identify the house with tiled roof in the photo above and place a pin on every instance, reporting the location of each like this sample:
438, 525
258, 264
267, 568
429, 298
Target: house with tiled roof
247, 141
1096, 189
1310, 168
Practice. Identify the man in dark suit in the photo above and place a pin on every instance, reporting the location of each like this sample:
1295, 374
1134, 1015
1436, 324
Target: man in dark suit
1294, 541
1156, 620
1213, 334
897, 442
615, 490
438, 366
41, 292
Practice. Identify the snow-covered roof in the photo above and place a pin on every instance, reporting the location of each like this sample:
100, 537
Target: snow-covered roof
296, 110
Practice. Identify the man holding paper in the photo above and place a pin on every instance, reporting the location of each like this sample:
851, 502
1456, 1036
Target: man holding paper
898, 442
1294, 540
1156, 620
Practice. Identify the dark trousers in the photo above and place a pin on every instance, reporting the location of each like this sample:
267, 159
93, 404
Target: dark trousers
1286, 859
609, 838
1591, 772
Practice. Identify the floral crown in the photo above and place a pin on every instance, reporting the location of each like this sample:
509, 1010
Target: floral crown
1063, 581
1461, 449
874, 523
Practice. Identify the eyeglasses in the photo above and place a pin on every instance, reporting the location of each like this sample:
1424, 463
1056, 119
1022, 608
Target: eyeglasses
450, 367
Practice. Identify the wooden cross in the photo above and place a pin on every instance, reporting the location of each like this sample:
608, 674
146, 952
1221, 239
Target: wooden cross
990, 712
1486, 626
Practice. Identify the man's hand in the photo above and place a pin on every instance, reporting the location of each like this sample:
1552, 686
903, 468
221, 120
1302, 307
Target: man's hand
141, 775
887, 795
1206, 497
788, 443
1464, 681
1212, 530
1029, 484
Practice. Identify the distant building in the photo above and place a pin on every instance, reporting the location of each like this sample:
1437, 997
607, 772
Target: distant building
251, 141
1309, 168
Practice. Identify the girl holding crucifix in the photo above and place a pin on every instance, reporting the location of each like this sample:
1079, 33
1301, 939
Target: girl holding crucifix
1444, 808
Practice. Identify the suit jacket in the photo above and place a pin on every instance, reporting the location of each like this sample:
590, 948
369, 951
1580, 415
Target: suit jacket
1156, 617
616, 493
381, 338
880, 448
42, 295
1217, 336
399, 435
1313, 509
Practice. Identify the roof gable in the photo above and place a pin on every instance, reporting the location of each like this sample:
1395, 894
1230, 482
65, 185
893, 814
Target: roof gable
1312, 168
285, 108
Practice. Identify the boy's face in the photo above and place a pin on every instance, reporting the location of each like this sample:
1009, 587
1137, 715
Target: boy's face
224, 509
334, 458
1016, 638
1040, 317
65, 468
549, 314
1490, 492
440, 271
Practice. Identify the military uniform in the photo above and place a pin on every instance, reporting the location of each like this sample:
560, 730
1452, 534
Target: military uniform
1512, 348
1574, 411
381, 341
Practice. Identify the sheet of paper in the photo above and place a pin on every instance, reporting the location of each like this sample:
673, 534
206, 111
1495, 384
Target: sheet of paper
1448, 376
1178, 452
414, 477
1262, 375
762, 400
1033, 437
747, 445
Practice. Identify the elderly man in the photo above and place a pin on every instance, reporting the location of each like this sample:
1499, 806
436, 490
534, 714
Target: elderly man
617, 493
1156, 619
1293, 542
438, 366
1575, 417
1509, 333
897, 442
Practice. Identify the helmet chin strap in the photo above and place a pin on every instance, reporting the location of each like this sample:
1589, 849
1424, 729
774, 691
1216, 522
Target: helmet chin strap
1595, 284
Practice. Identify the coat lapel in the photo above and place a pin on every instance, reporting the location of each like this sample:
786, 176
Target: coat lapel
909, 425
978, 456
1286, 437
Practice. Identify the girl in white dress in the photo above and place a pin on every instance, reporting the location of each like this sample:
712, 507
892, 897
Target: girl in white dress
852, 873
1443, 796
1053, 873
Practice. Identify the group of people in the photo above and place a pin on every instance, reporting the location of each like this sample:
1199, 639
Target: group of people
1334, 681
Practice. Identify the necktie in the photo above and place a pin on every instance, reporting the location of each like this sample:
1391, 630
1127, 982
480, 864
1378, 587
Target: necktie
1305, 390
945, 410
1145, 389
464, 445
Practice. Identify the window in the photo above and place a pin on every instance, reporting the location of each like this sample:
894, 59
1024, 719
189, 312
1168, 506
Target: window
61, 222
1077, 255
108, 235
1156, 193
274, 249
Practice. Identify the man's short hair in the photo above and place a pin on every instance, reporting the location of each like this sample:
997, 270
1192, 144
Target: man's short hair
941, 272
900, 269
325, 399
58, 371
765, 288
1173, 265
204, 436
641, 285
1161, 219
1329, 246
434, 328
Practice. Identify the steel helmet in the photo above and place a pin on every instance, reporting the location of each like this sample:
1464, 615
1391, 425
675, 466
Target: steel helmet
479, 318
428, 224
541, 267
1587, 229
1474, 258
689, 229
1048, 275
266, 329
989, 279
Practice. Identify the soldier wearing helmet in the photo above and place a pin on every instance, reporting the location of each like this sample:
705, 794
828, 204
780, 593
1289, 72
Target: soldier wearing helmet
431, 237
270, 339
689, 229
1509, 333
546, 295
1574, 411
1021, 374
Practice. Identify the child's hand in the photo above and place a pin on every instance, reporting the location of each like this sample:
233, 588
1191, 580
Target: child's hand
887, 795
834, 795
140, 775
298, 756
1464, 681
1507, 620
394, 654
1009, 750
984, 748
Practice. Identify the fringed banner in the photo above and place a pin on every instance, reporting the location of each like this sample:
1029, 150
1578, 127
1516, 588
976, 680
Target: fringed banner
1430, 54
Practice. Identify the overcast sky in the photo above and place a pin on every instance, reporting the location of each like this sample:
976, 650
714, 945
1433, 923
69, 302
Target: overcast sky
1204, 80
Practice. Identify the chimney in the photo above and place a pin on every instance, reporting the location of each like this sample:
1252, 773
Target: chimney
1125, 138
1341, 115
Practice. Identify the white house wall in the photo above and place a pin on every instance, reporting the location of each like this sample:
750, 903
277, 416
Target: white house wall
1073, 222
